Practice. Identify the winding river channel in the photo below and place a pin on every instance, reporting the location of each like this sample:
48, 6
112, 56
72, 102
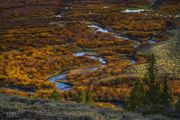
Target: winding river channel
60, 79
94, 56
63, 76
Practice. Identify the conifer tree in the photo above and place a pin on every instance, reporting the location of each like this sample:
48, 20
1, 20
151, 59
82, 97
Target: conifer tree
151, 83
137, 96
152, 96
157, 93
177, 106
157, 3
165, 94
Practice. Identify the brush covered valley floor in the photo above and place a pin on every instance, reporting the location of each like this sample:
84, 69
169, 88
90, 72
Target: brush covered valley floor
40, 40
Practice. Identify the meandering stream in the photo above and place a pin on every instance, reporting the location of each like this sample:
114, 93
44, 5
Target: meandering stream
92, 55
63, 76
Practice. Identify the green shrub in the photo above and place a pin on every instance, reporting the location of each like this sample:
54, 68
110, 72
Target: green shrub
137, 96
85, 97
89, 97
81, 97
55, 95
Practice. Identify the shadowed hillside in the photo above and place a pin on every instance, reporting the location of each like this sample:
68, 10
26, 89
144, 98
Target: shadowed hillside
17, 108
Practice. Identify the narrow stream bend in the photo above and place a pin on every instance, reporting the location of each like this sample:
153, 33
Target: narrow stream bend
63, 76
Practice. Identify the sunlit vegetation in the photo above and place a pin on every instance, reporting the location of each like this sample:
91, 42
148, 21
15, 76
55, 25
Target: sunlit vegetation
36, 45
14, 92
31, 68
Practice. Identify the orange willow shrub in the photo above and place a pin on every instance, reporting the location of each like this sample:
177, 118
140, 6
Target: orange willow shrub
14, 92
31, 54
35, 65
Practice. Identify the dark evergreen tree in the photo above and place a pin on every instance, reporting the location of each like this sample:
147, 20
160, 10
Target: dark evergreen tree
152, 96
137, 96
165, 94
151, 83
157, 3
177, 106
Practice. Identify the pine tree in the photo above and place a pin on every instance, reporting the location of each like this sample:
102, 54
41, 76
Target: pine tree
157, 94
177, 106
154, 95
136, 100
152, 85
165, 94
157, 3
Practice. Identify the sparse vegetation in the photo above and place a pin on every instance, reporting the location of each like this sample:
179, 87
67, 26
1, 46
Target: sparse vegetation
14, 107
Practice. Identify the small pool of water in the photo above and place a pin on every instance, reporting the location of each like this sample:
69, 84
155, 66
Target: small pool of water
89, 55
60, 85
133, 11
79, 54
58, 16
151, 41
98, 28
58, 77
101, 60
63, 86
93, 68
133, 60
121, 37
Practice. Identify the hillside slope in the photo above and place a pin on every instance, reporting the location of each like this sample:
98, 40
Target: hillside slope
168, 57
14, 107
168, 54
